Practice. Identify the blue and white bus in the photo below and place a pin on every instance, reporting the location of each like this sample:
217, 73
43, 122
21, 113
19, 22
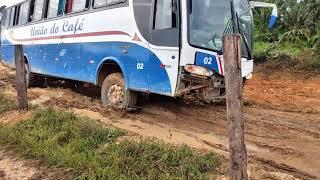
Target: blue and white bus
167, 47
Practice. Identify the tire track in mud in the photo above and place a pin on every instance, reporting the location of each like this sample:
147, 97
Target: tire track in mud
273, 165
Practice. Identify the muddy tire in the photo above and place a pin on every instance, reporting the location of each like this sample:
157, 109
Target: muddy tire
115, 95
32, 80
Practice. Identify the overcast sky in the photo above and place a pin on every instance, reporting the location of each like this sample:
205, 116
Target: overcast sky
9, 2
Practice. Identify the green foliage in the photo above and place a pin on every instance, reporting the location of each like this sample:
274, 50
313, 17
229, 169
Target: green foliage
293, 17
263, 51
297, 32
91, 151
6, 104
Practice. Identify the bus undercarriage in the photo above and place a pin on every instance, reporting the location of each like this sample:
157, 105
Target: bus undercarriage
207, 90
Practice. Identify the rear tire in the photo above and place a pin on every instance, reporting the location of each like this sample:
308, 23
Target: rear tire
32, 80
114, 93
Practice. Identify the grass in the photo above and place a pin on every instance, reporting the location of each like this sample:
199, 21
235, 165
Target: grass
92, 151
286, 55
6, 104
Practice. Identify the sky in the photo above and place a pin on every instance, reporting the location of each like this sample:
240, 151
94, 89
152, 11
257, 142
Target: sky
9, 2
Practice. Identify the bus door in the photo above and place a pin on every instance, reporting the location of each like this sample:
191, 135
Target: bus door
164, 43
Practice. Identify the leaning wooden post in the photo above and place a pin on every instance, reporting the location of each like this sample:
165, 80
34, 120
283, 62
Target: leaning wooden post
233, 80
20, 78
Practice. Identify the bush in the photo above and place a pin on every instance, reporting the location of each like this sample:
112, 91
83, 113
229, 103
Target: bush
298, 26
6, 104
263, 51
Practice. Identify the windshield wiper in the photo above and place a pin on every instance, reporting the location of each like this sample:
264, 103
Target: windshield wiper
243, 38
227, 30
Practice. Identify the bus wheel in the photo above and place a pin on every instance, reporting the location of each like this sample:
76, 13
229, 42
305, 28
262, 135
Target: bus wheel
32, 80
115, 95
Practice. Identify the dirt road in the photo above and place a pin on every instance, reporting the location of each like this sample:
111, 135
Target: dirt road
282, 117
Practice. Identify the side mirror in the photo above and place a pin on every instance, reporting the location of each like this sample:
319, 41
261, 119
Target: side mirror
274, 15
273, 18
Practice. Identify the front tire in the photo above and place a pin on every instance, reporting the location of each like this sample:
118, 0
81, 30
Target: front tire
114, 93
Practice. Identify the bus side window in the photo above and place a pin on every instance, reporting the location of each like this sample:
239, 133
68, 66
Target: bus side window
16, 15
38, 10
4, 20
74, 6
61, 7
165, 14
31, 10
143, 11
68, 6
7, 21
55, 8
102, 3
165, 29
12, 16
23, 14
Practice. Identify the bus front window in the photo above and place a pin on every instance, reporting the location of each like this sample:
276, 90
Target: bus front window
207, 22
245, 22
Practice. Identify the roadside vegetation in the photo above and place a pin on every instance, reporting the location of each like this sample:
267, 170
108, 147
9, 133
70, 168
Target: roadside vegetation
90, 150
295, 42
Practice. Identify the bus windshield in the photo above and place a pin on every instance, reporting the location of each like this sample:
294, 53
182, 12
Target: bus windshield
209, 20
245, 25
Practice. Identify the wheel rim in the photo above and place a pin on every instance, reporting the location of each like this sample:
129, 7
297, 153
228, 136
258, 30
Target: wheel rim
116, 95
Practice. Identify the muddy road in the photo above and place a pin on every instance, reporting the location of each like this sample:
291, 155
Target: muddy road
282, 116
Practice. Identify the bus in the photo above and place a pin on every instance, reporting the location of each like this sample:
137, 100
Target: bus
127, 47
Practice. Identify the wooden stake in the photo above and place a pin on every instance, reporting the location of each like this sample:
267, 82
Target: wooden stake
20, 78
233, 80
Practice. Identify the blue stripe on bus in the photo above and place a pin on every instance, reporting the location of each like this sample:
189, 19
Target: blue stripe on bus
82, 62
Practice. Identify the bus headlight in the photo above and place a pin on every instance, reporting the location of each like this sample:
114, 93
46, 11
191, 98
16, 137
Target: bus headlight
198, 70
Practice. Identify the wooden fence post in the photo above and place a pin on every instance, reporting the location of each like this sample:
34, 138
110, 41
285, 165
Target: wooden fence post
234, 81
20, 78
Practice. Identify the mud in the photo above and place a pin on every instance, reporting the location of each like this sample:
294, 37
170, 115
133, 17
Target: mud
282, 114
13, 167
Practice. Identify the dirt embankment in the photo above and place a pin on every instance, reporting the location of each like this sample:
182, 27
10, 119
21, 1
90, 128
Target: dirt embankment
282, 117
